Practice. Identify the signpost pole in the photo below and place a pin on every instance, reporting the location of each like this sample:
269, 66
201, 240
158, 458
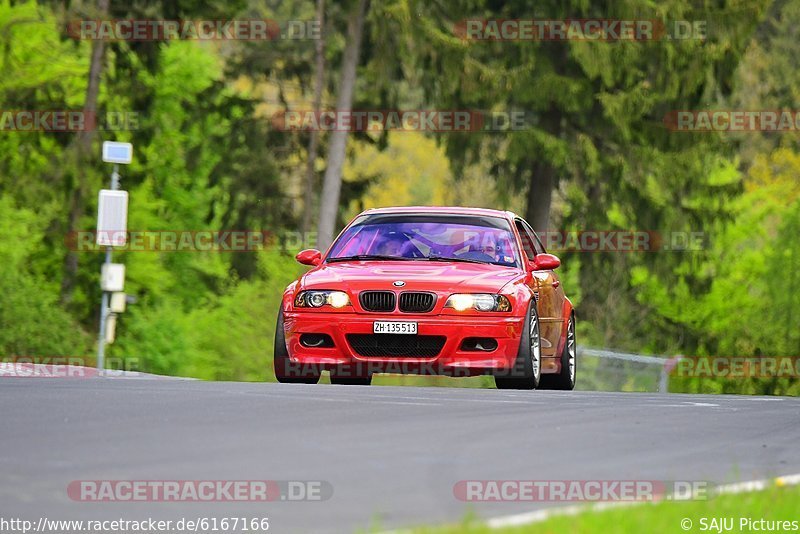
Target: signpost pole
101, 338
112, 221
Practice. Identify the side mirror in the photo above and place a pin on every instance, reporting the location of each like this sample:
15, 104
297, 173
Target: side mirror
544, 262
309, 256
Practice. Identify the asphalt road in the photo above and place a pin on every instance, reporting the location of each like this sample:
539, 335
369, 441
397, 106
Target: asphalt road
391, 454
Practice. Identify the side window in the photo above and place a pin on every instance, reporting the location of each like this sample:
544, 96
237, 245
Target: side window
527, 242
537, 243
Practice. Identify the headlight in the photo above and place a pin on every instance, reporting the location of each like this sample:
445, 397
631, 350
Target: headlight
317, 299
480, 301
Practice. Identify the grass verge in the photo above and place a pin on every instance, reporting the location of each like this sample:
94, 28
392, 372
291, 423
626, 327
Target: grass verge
741, 512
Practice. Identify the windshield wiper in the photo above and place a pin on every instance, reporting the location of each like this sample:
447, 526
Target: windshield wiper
367, 257
443, 258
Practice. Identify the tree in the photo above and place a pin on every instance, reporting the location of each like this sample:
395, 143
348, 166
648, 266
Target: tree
313, 140
332, 185
595, 153
82, 151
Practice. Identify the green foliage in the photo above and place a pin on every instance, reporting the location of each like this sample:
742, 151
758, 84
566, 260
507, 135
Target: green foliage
748, 270
28, 301
752, 303
226, 337
193, 170
208, 158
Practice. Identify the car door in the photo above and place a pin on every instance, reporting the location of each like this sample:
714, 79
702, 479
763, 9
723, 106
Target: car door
547, 286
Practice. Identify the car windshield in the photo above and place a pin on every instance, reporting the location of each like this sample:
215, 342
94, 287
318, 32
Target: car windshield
427, 237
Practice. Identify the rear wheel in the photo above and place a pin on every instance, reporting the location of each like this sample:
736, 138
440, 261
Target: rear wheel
565, 380
287, 371
528, 366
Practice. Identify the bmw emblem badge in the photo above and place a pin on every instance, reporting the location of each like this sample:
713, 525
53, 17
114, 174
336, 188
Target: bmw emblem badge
398, 283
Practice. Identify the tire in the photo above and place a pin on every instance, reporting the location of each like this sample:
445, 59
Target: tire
286, 371
527, 369
565, 380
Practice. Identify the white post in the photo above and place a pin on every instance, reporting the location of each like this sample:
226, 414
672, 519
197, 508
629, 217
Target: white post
101, 338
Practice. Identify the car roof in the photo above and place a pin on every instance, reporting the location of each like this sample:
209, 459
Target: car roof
445, 210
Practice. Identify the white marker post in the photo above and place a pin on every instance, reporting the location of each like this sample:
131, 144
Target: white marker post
112, 228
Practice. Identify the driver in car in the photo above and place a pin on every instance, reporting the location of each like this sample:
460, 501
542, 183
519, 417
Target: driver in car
491, 249
393, 245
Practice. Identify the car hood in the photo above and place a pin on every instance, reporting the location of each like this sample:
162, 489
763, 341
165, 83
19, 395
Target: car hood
417, 275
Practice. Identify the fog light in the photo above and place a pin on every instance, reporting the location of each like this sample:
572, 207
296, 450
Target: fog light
479, 344
316, 341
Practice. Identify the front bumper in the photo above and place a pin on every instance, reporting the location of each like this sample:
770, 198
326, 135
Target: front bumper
451, 360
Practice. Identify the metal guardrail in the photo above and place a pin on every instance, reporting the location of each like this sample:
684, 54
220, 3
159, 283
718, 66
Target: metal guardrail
666, 364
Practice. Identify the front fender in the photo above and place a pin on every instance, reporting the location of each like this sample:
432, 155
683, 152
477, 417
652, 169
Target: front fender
288, 296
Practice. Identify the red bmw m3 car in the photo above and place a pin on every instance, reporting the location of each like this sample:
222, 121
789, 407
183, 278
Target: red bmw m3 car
429, 290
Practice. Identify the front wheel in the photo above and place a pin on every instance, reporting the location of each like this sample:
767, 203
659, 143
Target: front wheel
565, 380
527, 369
287, 371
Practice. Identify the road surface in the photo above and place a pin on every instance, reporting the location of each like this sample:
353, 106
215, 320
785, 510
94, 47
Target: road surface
392, 455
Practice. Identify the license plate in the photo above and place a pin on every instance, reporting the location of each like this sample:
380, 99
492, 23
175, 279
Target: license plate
394, 327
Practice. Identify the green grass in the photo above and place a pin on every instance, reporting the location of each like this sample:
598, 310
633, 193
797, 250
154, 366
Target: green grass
433, 381
773, 504
483, 382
